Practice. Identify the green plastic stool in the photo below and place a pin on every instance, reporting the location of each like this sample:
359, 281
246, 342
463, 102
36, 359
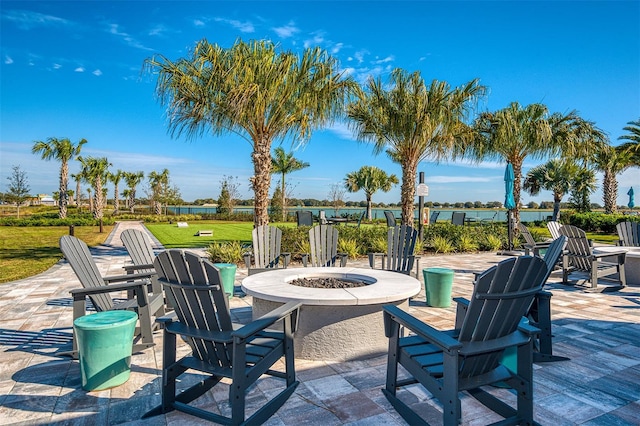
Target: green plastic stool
438, 283
228, 275
104, 341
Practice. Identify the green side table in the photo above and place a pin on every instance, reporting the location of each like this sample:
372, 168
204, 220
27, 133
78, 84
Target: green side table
104, 341
228, 275
438, 283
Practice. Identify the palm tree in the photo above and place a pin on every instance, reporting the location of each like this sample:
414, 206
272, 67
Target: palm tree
284, 164
78, 178
633, 146
158, 182
370, 179
515, 133
96, 171
62, 150
583, 186
412, 122
254, 91
556, 176
133, 179
612, 161
115, 178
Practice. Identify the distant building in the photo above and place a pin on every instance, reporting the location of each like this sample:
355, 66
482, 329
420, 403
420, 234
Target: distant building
43, 200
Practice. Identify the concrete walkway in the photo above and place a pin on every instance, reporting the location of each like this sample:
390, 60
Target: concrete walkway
600, 385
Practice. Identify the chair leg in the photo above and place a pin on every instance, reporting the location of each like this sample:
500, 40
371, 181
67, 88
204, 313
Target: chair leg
542, 317
237, 389
525, 373
451, 407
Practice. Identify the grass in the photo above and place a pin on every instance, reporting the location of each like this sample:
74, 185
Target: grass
30, 250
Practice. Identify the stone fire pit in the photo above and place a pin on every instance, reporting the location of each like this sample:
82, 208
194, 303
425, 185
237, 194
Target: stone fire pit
335, 323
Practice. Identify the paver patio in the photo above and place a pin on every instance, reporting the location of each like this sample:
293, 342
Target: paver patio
600, 385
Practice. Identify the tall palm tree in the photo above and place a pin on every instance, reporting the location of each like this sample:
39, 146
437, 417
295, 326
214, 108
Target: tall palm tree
515, 133
370, 179
285, 163
116, 178
412, 122
133, 179
78, 178
97, 172
158, 182
556, 175
62, 150
612, 161
254, 91
633, 144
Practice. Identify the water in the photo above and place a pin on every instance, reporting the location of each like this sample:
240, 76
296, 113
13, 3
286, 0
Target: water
377, 213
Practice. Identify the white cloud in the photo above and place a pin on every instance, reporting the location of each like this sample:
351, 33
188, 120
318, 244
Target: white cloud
336, 48
8, 60
115, 30
245, 27
198, 23
57, 66
97, 73
360, 55
26, 19
286, 31
316, 40
382, 61
79, 69
342, 130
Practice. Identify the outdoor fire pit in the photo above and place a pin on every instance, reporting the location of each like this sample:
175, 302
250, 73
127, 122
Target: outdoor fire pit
335, 323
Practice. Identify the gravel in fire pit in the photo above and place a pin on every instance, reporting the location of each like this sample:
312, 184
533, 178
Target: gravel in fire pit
327, 282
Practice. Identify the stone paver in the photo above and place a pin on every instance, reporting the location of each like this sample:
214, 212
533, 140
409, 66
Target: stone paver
599, 385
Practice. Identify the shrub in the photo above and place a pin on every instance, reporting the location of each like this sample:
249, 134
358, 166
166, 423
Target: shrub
349, 246
226, 252
598, 222
467, 243
442, 244
491, 243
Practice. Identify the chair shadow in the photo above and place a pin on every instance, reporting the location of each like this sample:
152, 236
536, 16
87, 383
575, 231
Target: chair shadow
45, 342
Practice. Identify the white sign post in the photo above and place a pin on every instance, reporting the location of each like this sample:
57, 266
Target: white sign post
422, 190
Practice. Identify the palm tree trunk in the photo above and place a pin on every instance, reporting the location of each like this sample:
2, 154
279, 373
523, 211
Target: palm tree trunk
116, 200
557, 198
284, 201
610, 191
407, 192
517, 186
63, 197
369, 206
261, 180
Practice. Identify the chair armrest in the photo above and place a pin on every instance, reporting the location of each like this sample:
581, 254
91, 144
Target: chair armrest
372, 259
462, 305
131, 268
110, 288
128, 277
514, 339
611, 253
168, 318
268, 319
286, 259
526, 328
198, 333
437, 337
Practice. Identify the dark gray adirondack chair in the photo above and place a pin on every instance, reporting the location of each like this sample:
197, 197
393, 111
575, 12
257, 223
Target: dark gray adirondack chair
579, 256
449, 362
391, 219
434, 217
457, 218
219, 348
98, 288
554, 228
401, 242
323, 240
266, 250
304, 218
530, 244
142, 256
629, 234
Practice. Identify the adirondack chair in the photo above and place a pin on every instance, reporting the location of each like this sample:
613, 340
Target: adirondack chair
530, 244
457, 218
629, 234
449, 362
219, 348
401, 241
304, 218
98, 288
266, 250
490, 219
324, 247
554, 228
142, 256
391, 219
434, 217
580, 256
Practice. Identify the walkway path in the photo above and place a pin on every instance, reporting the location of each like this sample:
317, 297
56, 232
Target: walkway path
598, 386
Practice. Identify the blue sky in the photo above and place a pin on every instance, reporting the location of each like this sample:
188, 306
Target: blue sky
73, 69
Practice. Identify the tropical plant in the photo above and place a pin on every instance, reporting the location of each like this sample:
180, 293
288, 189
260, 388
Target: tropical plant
158, 183
254, 91
226, 252
115, 178
18, 189
132, 179
62, 150
412, 122
349, 246
612, 161
556, 175
78, 178
369, 179
467, 243
96, 171
515, 133
582, 188
633, 144
284, 164
442, 244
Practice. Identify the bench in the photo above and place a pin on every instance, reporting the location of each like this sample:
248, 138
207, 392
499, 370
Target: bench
182, 224
208, 233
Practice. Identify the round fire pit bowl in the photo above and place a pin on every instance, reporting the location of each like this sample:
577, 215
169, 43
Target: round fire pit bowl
335, 323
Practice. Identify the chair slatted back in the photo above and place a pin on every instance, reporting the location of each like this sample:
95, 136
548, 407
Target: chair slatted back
553, 253
524, 231
199, 300
457, 218
554, 228
578, 247
79, 257
501, 297
434, 217
391, 219
629, 233
401, 242
324, 245
304, 218
138, 246
266, 246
